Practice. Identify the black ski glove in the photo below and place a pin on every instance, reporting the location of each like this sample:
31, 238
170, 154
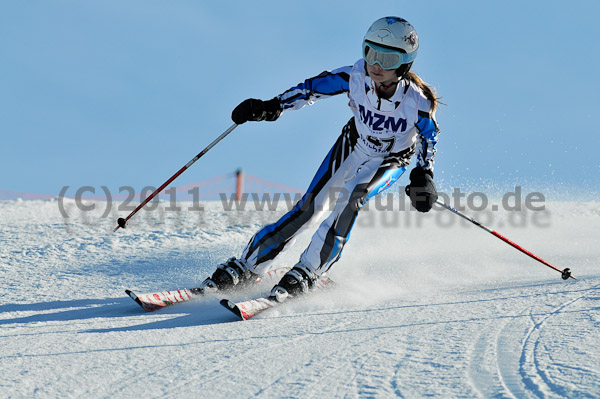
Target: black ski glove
421, 189
253, 109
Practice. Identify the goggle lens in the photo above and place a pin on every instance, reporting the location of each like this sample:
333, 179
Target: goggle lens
386, 58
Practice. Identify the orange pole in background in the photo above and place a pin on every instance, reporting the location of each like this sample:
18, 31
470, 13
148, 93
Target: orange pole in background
239, 187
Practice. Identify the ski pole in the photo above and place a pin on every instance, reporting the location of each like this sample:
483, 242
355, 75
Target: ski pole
122, 222
566, 273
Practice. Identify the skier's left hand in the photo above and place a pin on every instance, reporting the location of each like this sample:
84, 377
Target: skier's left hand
421, 190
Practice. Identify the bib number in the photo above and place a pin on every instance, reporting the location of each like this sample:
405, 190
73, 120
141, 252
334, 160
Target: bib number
384, 144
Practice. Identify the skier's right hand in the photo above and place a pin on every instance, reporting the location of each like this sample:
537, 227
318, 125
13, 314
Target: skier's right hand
253, 109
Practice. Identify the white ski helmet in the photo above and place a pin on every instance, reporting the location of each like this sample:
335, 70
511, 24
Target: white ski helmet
391, 42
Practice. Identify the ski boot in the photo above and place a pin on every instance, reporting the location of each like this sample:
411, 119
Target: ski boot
298, 281
229, 275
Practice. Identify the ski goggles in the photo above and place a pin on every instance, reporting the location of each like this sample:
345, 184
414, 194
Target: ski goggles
385, 57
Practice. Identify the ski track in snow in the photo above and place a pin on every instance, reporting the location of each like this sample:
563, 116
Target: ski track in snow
519, 341
458, 314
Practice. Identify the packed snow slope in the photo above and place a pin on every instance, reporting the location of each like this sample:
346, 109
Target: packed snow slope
424, 307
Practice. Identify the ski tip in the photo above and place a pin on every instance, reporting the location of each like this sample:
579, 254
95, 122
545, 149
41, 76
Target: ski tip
232, 307
133, 296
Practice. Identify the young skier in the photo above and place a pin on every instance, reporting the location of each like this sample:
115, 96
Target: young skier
393, 119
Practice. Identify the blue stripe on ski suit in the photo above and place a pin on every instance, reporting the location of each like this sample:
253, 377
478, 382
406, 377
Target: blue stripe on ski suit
389, 178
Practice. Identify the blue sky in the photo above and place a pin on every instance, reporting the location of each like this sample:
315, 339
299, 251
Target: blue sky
126, 92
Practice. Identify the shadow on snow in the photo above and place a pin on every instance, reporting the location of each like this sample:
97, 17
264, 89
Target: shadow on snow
201, 312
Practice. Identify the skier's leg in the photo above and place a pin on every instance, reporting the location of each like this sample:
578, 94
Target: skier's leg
272, 239
328, 242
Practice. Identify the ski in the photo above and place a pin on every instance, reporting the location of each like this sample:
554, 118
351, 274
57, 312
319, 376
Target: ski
157, 300
248, 309
152, 301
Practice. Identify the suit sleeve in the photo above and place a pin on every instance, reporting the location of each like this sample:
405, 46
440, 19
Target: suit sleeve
326, 84
428, 136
